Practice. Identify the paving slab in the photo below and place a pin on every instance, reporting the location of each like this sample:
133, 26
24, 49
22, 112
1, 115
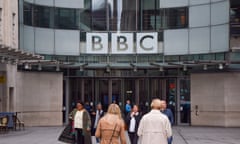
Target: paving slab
182, 135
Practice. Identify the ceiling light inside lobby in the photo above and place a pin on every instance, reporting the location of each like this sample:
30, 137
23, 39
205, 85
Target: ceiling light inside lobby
161, 69
81, 68
205, 67
3, 60
26, 66
184, 68
39, 67
220, 66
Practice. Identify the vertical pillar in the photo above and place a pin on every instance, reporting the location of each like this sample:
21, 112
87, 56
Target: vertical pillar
164, 88
82, 90
137, 91
178, 101
97, 96
67, 99
110, 91
122, 94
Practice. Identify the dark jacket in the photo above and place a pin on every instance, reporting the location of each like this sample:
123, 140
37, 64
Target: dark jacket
169, 114
137, 118
93, 118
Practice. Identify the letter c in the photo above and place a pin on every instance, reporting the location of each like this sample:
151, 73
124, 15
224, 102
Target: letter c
141, 43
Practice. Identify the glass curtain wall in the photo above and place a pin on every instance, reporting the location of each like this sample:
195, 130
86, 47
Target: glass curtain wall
108, 15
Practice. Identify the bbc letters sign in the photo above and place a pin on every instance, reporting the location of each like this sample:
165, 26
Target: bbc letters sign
122, 43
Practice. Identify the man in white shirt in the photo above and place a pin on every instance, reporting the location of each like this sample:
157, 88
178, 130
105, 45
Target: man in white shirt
132, 121
154, 127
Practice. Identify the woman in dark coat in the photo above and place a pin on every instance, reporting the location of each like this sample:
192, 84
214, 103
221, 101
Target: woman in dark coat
81, 124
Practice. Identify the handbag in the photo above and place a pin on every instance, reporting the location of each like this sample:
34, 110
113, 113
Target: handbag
112, 134
67, 135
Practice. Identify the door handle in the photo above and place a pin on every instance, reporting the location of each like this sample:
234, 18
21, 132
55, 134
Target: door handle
196, 110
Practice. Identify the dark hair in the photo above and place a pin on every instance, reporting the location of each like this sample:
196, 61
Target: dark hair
80, 102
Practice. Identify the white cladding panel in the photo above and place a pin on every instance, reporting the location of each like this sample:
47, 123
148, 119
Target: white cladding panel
199, 40
173, 3
67, 42
199, 16
176, 42
220, 38
97, 43
69, 3
28, 38
125, 44
44, 2
44, 41
197, 2
220, 13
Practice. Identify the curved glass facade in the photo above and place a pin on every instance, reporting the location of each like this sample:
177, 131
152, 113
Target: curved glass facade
184, 28
116, 15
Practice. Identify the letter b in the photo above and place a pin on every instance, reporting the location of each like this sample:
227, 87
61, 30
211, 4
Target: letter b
122, 43
96, 43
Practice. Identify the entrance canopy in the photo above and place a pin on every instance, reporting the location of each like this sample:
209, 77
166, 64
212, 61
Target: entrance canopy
16, 56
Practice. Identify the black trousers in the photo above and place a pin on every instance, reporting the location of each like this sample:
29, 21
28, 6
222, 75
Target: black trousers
133, 137
79, 136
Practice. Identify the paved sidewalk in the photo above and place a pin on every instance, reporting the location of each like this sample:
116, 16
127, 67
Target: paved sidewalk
182, 135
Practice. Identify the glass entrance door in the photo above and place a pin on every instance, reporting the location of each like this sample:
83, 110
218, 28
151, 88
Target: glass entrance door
176, 91
184, 107
103, 92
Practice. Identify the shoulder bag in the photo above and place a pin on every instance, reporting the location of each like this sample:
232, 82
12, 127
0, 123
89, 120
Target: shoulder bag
112, 134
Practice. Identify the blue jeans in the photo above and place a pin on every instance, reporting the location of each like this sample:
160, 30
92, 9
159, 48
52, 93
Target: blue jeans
170, 140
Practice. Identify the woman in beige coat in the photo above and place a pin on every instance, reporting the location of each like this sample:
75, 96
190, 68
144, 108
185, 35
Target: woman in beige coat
111, 127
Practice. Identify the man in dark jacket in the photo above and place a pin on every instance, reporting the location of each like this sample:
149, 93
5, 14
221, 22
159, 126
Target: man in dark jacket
95, 117
169, 114
132, 120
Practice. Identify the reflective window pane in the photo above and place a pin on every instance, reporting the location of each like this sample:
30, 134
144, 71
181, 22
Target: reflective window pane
99, 15
42, 16
27, 15
122, 15
67, 18
177, 17
85, 16
148, 14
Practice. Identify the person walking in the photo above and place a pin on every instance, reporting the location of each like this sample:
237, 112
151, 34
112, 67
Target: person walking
169, 114
132, 121
111, 127
81, 124
128, 107
154, 127
95, 117
167, 111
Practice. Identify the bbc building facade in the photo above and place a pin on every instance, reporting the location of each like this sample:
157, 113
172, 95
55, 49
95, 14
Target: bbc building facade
183, 51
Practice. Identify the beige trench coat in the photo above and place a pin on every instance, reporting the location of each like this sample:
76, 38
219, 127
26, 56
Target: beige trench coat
154, 128
106, 127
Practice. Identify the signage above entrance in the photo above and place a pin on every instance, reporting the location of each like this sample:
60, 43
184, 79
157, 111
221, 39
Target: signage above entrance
122, 43
2, 79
